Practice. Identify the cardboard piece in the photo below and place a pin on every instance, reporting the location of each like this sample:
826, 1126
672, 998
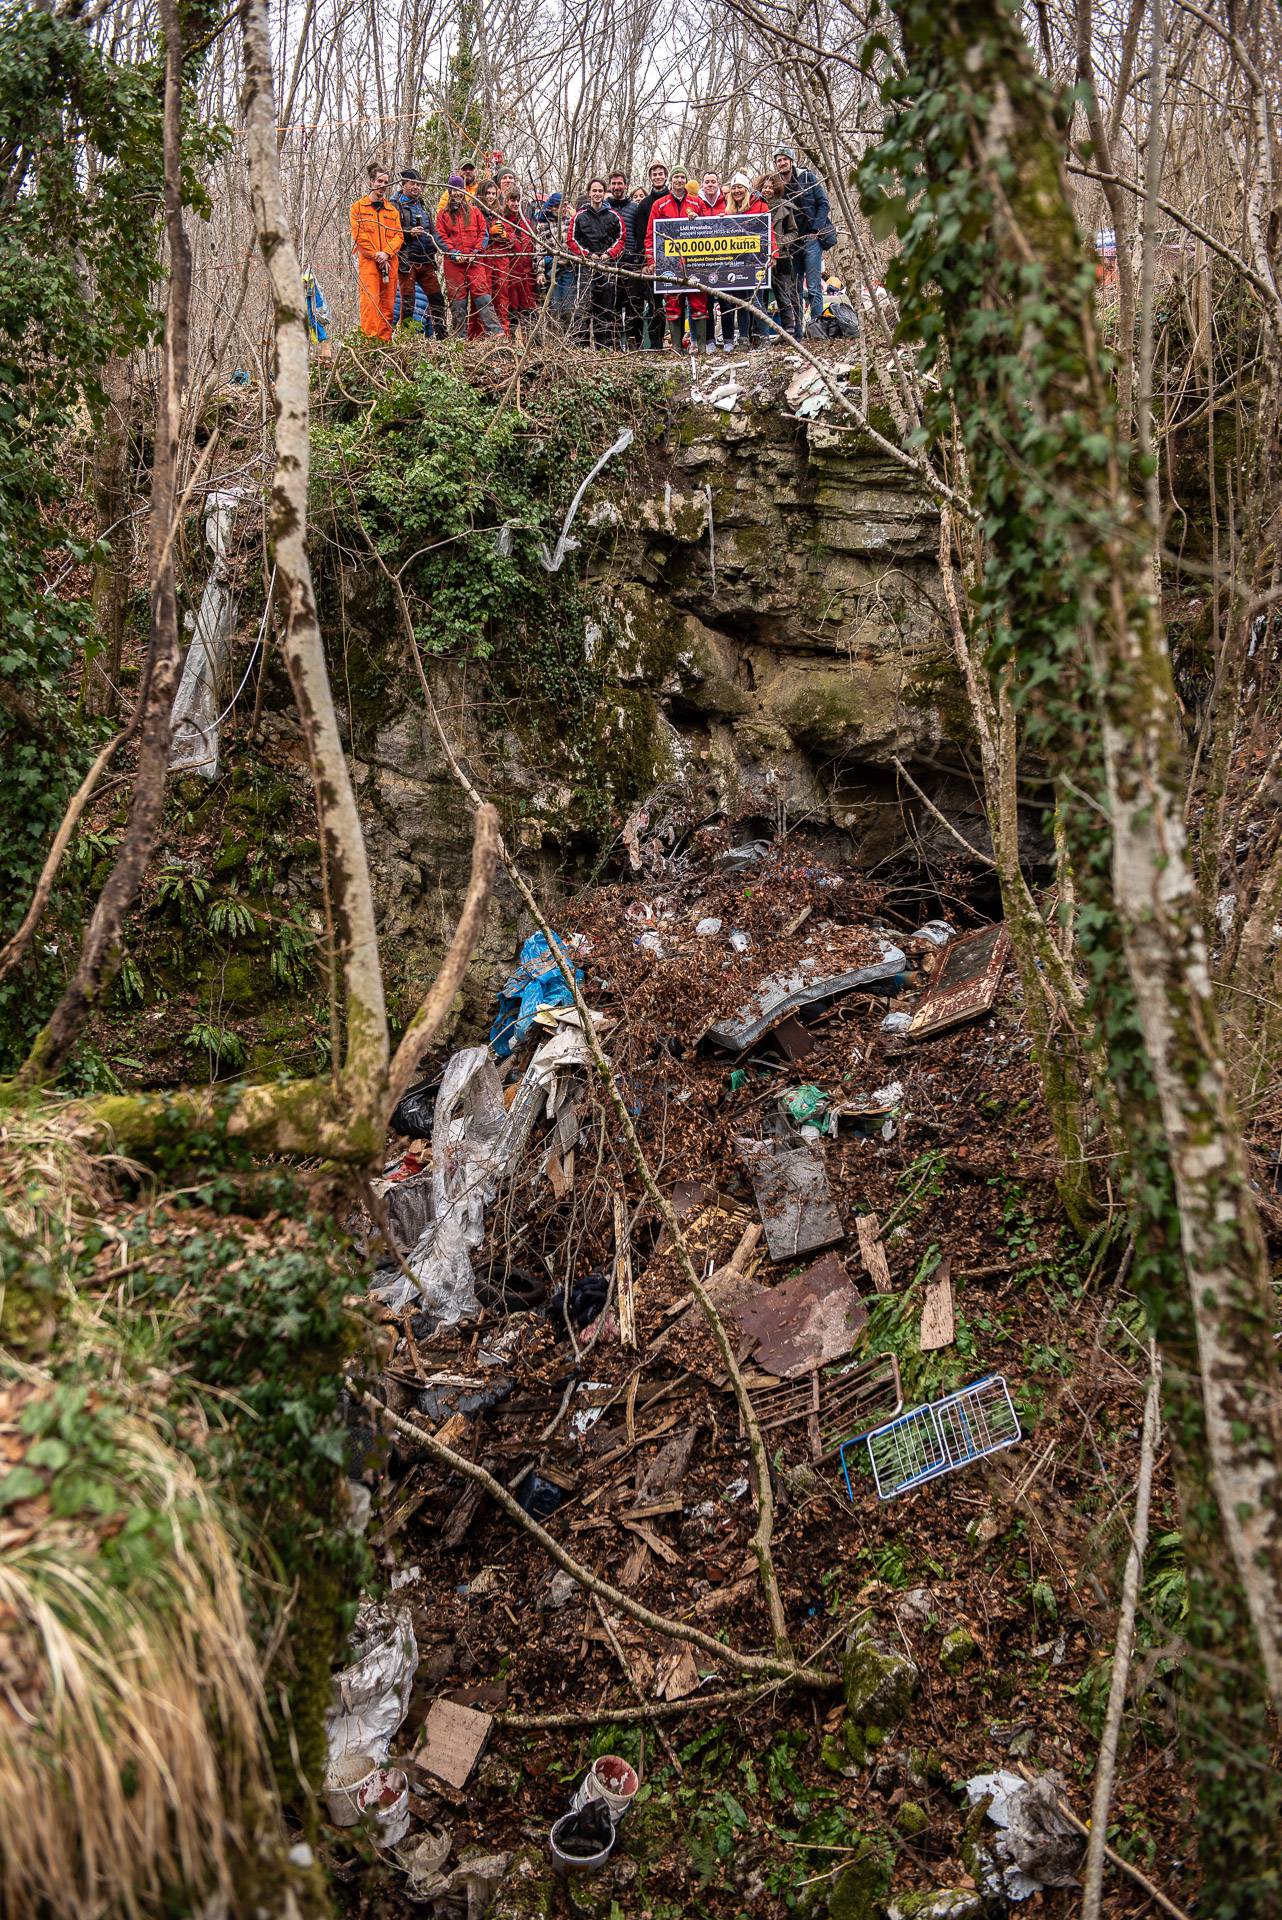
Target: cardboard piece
453, 1741
793, 1198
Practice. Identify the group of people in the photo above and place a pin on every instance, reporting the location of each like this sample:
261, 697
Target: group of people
501, 258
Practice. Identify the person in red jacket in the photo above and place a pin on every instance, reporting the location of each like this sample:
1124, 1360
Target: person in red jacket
679, 204
522, 286
463, 231
742, 199
377, 234
497, 256
597, 236
720, 316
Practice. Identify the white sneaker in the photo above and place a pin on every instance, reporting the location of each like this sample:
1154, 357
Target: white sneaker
709, 346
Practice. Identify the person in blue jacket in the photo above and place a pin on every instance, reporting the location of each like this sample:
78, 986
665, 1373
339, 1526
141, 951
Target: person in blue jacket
807, 198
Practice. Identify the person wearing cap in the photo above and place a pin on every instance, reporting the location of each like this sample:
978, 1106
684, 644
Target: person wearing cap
560, 273
680, 204
416, 261
741, 199
377, 235
651, 302
463, 232
808, 199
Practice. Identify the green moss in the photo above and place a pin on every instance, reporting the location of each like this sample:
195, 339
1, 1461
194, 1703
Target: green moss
860, 1888
957, 1650
912, 1818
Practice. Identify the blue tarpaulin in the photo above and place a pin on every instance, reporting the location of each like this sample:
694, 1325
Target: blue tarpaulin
536, 983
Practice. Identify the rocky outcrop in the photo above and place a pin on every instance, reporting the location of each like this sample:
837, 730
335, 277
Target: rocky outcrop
772, 582
765, 632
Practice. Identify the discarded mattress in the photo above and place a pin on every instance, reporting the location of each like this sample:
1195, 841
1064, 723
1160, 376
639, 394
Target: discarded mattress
783, 994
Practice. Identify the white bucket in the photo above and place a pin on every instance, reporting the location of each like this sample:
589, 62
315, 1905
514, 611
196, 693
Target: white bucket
610, 1779
384, 1800
343, 1778
575, 1861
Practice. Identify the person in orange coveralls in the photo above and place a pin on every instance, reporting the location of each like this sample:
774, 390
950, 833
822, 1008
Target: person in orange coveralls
377, 234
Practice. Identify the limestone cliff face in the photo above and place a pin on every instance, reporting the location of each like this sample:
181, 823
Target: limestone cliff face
765, 626
772, 584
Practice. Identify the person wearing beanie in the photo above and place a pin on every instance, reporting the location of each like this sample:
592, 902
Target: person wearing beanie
740, 198
377, 235
652, 316
808, 199
467, 174
416, 261
680, 204
463, 231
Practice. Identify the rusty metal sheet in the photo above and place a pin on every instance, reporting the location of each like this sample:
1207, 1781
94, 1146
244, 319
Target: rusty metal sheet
804, 1322
965, 982
793, 1198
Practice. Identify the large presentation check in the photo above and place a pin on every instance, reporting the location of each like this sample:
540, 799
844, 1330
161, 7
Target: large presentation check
729, 251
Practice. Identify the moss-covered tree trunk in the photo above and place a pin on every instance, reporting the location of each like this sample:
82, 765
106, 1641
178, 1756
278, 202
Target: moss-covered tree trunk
993, 276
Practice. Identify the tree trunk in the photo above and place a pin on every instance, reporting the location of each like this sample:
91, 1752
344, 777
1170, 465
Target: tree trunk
100, 951
364, 1072
989, 238
111, 526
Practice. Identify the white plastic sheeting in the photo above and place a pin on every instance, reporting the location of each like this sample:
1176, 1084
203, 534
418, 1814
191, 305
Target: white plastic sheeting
552, 559
197, 710
372, 1696
1035, 1847
475, 1143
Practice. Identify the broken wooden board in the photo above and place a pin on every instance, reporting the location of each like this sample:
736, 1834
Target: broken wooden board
453, 1741
834, 1403
623, 1275
872, 1252
965, 982
938, 1327
793, 1198
804, 1322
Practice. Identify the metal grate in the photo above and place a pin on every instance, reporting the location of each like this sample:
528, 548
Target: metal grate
939, 1437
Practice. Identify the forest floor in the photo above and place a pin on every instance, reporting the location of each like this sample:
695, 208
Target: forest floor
995, 1581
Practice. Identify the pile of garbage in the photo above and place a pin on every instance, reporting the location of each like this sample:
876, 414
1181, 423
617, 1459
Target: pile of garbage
768, 1027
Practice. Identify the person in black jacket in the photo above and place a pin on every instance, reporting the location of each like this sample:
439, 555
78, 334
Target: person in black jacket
631, 260
597, 237
653, 319
416, 261
807, 198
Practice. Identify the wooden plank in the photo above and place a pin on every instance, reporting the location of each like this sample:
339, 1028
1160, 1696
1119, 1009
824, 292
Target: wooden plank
873, 1253
938, 1326
965, 982
623, 1275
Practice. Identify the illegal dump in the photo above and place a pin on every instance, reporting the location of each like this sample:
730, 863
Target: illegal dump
666, 1348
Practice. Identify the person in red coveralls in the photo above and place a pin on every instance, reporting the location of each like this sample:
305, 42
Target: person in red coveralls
597, 236
522, 283
463, 231
680, 204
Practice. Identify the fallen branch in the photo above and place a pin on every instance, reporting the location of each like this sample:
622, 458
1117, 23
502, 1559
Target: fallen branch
1102, 1794
975, 852
21, 940
653, 1709
818, 1680
425, 1025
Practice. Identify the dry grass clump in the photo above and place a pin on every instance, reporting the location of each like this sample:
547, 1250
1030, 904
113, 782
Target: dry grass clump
133, 1764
